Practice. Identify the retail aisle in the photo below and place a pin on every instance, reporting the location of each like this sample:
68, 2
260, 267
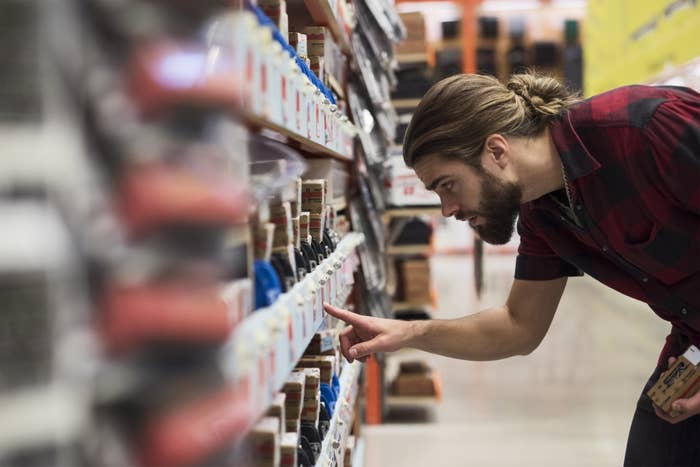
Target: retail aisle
568, 404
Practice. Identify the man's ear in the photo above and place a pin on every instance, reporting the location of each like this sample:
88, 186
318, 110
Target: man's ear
497, 150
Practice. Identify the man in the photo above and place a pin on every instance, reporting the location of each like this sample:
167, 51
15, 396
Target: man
609, 186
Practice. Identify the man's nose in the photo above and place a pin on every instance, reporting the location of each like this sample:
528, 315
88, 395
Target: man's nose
449, 209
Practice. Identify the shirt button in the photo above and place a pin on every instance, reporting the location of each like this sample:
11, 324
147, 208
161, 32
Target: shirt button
579, 207
605, 248
645, 279
684, 311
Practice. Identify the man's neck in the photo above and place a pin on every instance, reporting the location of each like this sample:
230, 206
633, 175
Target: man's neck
539, 169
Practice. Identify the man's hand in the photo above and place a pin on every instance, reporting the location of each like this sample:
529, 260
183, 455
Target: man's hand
686, 408
366, 334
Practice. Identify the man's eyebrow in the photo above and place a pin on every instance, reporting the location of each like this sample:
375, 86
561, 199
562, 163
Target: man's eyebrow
436, 182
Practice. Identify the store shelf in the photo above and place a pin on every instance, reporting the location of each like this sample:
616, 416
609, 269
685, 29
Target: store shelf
412, 58
410, 250
405, 401
333, 446
276, 337
411, 212
322, 15
305, 144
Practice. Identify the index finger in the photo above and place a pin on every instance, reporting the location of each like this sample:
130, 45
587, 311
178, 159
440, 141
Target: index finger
343, 315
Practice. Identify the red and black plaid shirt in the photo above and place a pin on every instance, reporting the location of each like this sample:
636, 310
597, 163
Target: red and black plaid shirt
632, 159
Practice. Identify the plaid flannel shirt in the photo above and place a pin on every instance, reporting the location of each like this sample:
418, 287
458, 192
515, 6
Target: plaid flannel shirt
632, 159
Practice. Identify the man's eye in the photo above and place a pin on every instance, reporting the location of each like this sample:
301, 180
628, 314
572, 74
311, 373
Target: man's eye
447, 186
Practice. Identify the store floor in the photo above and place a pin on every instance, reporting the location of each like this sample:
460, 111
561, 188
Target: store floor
568, 404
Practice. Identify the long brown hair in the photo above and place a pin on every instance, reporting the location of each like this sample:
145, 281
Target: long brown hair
457, 114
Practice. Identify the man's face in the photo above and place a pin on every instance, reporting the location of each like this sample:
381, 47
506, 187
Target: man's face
489, 204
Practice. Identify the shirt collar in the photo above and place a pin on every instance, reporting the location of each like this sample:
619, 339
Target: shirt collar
575, 157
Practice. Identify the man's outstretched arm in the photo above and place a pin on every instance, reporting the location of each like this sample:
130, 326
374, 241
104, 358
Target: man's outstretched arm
516, 328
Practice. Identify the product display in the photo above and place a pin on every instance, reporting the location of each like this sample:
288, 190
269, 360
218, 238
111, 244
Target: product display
184, 235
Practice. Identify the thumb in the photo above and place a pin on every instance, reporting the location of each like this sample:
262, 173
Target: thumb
344, 315
671, 361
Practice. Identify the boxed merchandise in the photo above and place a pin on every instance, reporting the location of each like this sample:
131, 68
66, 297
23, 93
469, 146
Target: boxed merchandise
288, 449
294, 392
317, 38
416, 280
419, 385
312, 410
299, 42
313, 382
276, 410
265, 442
325, 363
313, 195
296, 230
281, 216
680, 381
317, 66
415, 378
293, 425
304, 226
264, 235
333, 172
317, 225
276, 10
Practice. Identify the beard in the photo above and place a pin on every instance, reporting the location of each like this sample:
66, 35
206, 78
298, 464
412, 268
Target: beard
499, 206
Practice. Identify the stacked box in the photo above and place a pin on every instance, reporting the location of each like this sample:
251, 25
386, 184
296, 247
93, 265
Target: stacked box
276, 410
415, 378
416, 280
296, 230
281, 216
317, 38
312, 396
313, 195
288, 449
299, 42
317, 223
294, 391
415, 42
264, 237
317, 66
304, 231
265, 443
313, 200
276, 10
325, 363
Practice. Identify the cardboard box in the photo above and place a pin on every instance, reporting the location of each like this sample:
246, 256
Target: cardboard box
317, 38
681, 381
317, 66
417, 385
313, 195
265, 442
325, 363
299, 42
294, 391
264, 236
288, 449
276, 410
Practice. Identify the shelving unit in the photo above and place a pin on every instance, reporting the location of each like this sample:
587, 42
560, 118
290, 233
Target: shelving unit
172, 113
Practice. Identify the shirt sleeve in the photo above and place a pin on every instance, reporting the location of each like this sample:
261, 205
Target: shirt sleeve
536, 261
673, 136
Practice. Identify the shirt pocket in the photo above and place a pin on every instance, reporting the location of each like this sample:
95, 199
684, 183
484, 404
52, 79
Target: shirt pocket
667, 253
